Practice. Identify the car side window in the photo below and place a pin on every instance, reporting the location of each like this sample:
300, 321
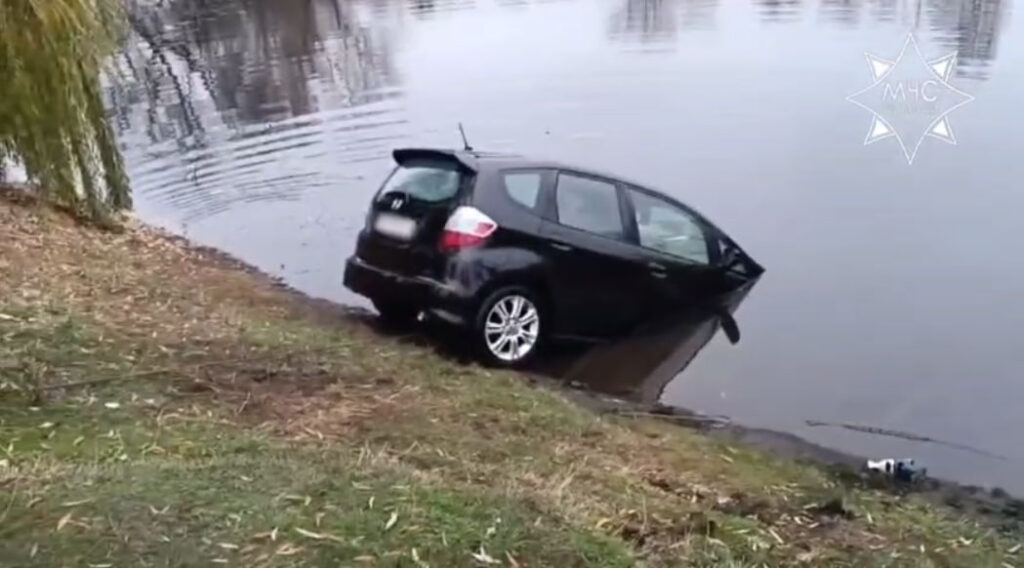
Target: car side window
669, 228
523, 187
589, 205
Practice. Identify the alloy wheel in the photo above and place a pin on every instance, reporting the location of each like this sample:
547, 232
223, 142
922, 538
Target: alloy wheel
512, 328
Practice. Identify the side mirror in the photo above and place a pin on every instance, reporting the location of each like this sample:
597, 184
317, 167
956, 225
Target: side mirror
729, 326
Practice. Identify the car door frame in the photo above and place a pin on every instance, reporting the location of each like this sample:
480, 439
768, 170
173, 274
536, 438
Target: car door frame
623, 250
685, 281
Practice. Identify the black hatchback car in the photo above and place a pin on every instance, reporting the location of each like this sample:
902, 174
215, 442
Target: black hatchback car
522, 251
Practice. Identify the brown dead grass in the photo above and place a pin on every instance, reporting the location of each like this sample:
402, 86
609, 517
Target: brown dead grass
239, 345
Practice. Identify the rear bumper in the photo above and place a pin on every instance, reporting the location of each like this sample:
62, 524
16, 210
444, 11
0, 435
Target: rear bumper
438, 298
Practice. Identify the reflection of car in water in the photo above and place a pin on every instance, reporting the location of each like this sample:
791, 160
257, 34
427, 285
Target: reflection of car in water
522, 251
637, 367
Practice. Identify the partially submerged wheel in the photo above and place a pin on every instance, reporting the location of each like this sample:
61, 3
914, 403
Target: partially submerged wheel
509, 326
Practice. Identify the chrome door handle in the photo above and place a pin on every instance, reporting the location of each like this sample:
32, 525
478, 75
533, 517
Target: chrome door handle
562, 247
659, 274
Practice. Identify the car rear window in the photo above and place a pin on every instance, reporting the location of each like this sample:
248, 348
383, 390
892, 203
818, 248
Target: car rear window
425, 180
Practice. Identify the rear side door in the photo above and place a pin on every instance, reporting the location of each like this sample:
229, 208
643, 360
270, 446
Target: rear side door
592, 267
679, 249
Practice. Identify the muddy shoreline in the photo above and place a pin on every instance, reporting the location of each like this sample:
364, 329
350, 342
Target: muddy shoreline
993, 506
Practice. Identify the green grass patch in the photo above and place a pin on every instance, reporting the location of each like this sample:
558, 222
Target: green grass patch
216, 420
281, 507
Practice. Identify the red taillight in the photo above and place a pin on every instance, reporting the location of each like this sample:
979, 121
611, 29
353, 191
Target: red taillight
467, 227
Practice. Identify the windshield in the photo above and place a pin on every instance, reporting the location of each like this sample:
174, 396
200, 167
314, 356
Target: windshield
425, 180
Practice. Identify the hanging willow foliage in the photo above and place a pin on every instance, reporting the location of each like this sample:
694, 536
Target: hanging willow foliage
52, 118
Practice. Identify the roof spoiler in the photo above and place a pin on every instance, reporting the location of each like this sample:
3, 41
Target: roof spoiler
465, 159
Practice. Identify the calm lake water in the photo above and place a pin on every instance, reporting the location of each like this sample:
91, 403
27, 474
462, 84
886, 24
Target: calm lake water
893, 292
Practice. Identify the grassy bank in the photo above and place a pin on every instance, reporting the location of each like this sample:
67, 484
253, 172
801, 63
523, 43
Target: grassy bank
162, 406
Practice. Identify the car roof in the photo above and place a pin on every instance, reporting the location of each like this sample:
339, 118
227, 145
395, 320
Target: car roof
478, 160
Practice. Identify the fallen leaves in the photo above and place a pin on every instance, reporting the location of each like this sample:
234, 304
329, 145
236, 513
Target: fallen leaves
319, 536
591, 498
288, 549
64, 521
392, 520
77, 503
304, 499
271, 535
482, 557
808, 556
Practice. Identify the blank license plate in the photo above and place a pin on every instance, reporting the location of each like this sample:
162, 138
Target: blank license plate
395, 226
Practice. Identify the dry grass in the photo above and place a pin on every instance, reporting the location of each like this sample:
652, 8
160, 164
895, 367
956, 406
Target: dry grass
224, 419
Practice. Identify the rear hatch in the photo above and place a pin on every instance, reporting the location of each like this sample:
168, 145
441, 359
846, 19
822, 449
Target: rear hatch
408, 213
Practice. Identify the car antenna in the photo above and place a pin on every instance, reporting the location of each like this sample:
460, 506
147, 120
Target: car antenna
465, 142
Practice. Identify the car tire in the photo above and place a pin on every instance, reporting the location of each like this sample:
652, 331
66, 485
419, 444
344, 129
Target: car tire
505, 337
396, 313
